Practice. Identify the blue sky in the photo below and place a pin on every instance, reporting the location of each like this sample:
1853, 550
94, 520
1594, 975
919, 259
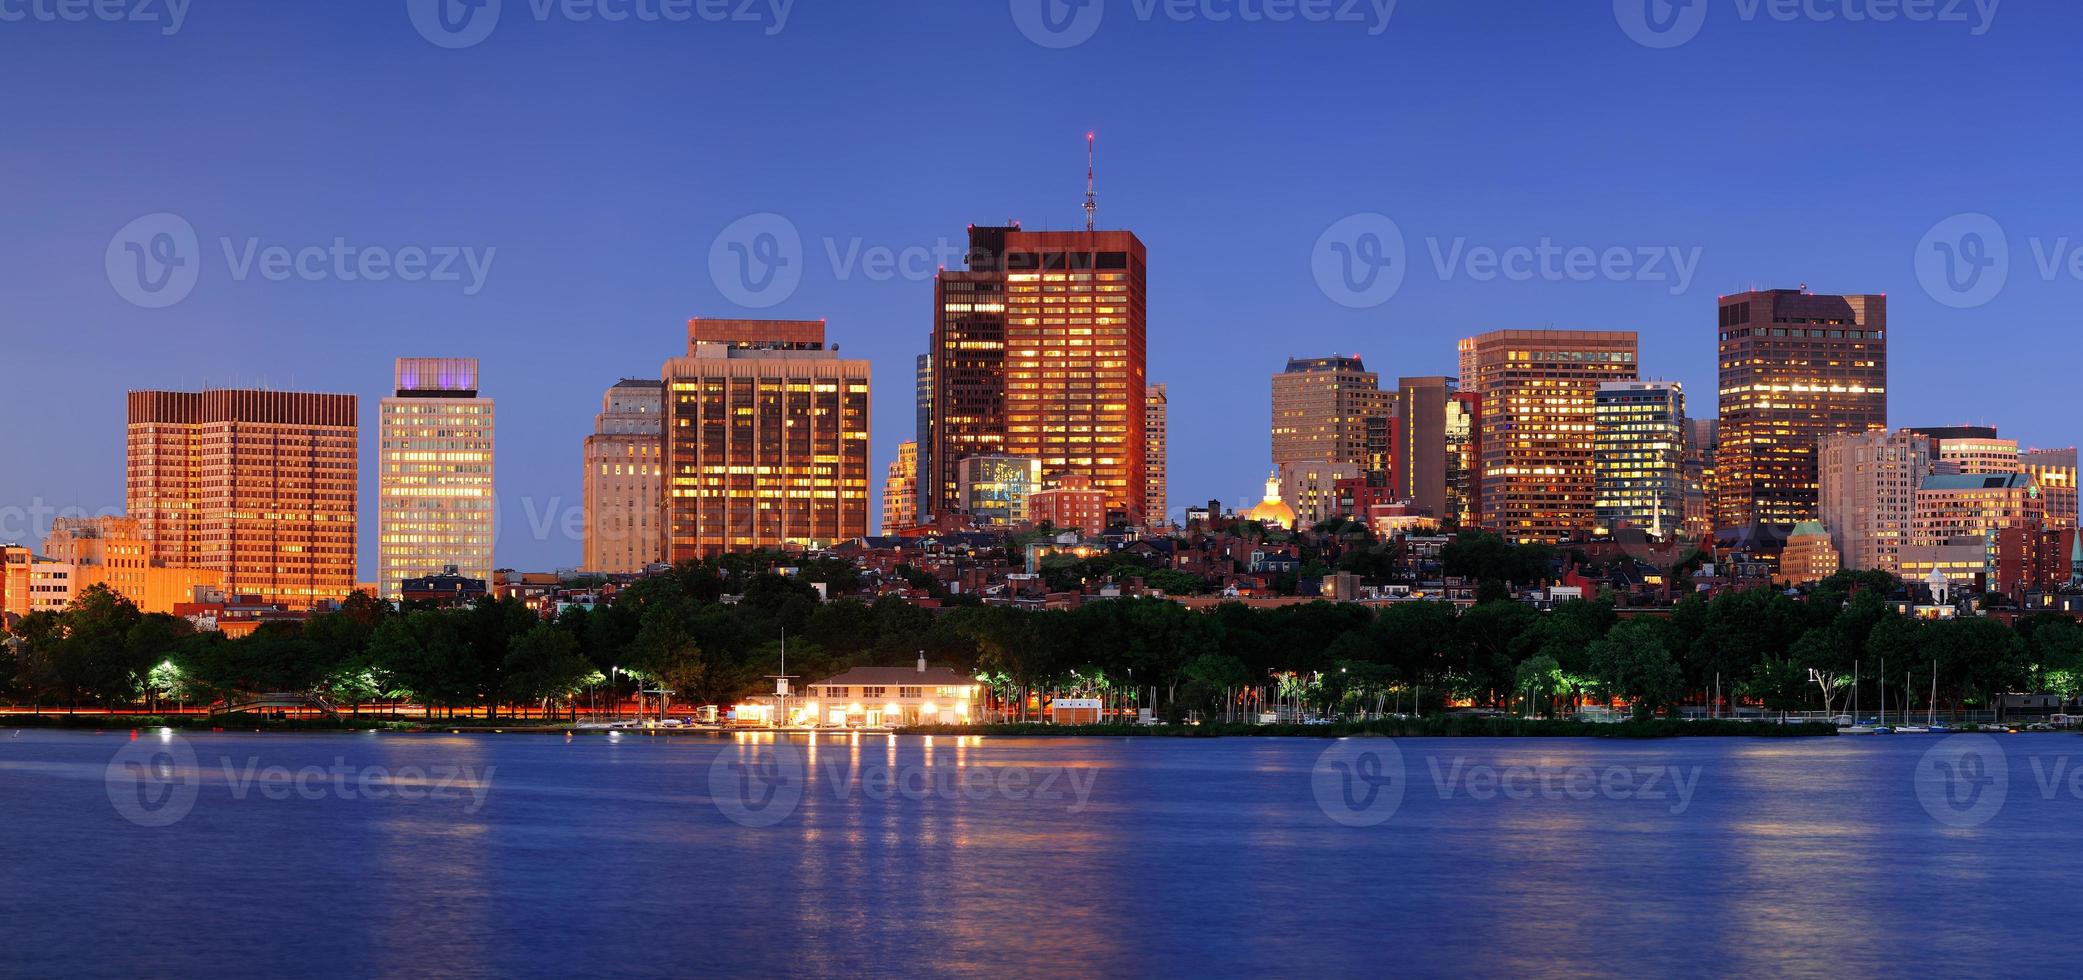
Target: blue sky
596, 162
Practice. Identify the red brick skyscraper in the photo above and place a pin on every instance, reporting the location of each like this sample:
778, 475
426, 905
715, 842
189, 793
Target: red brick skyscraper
1040, 353
258, 485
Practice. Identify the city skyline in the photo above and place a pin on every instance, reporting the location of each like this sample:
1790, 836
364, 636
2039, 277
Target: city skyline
596, 269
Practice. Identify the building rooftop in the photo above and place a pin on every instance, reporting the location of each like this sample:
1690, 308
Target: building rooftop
897, 677
1975, 481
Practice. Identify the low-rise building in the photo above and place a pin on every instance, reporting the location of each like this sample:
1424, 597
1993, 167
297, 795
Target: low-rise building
1810, 555
887, 697
81, 553
1072, 502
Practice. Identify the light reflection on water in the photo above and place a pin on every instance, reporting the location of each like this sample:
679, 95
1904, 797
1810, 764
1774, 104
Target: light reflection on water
606, 856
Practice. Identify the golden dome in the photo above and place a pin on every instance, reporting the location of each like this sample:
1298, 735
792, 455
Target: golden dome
1272, 510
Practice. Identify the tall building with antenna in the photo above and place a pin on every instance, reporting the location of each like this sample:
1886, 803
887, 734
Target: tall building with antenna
1040, 352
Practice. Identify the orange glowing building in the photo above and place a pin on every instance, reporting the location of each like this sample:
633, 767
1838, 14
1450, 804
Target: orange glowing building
1040, 352
766, 440
1536, 421
1795, 367
258, 486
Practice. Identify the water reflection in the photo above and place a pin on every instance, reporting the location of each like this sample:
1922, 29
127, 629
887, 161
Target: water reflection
1185, 856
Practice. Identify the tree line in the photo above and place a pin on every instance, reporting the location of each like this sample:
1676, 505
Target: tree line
712, 631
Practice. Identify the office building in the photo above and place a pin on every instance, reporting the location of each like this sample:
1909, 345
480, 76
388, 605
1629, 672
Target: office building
112, 551
1956, 505
1810, 556
435, 505
1424, 413
1539, 391
1311, 489
1961, 562
258, 486
1039, 352
15, 561
1464, 448
1156, 412
625, 479
766, 440
1867, 495
1702, 441
1320, 410
922, 434
1638, 457
1076, 328
1071, 502
900, 490
1970, 450
996, 490
966, 367
2054, 472
1795, 367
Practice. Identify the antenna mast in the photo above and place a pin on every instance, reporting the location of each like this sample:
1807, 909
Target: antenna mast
1091, 189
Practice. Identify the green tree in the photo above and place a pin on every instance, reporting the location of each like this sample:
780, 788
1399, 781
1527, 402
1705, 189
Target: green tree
543, 666
1632, 663
427, 654
1540, 679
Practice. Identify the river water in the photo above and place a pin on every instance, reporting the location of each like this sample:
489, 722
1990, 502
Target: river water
528, 855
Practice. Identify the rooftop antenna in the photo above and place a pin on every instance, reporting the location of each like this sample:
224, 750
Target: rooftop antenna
1091, 188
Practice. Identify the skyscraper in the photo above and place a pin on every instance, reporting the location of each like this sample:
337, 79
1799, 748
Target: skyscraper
966, 369
435, 508
2054, 470
1422, 408
1868, 494
922, 475
1795, 367
1039, 352
766, 440
1075, 375
1464, 460
259, 486
1702, 442
625, 479
1638, 456
1320, 410
1539, 392
1156, 409
900, 491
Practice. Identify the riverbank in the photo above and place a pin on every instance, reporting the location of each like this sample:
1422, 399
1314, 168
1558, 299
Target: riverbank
1442, 727
1439, 727
257, 723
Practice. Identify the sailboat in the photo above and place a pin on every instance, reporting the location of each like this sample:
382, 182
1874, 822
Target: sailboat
1882, 728
1856, 727
1933, 725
